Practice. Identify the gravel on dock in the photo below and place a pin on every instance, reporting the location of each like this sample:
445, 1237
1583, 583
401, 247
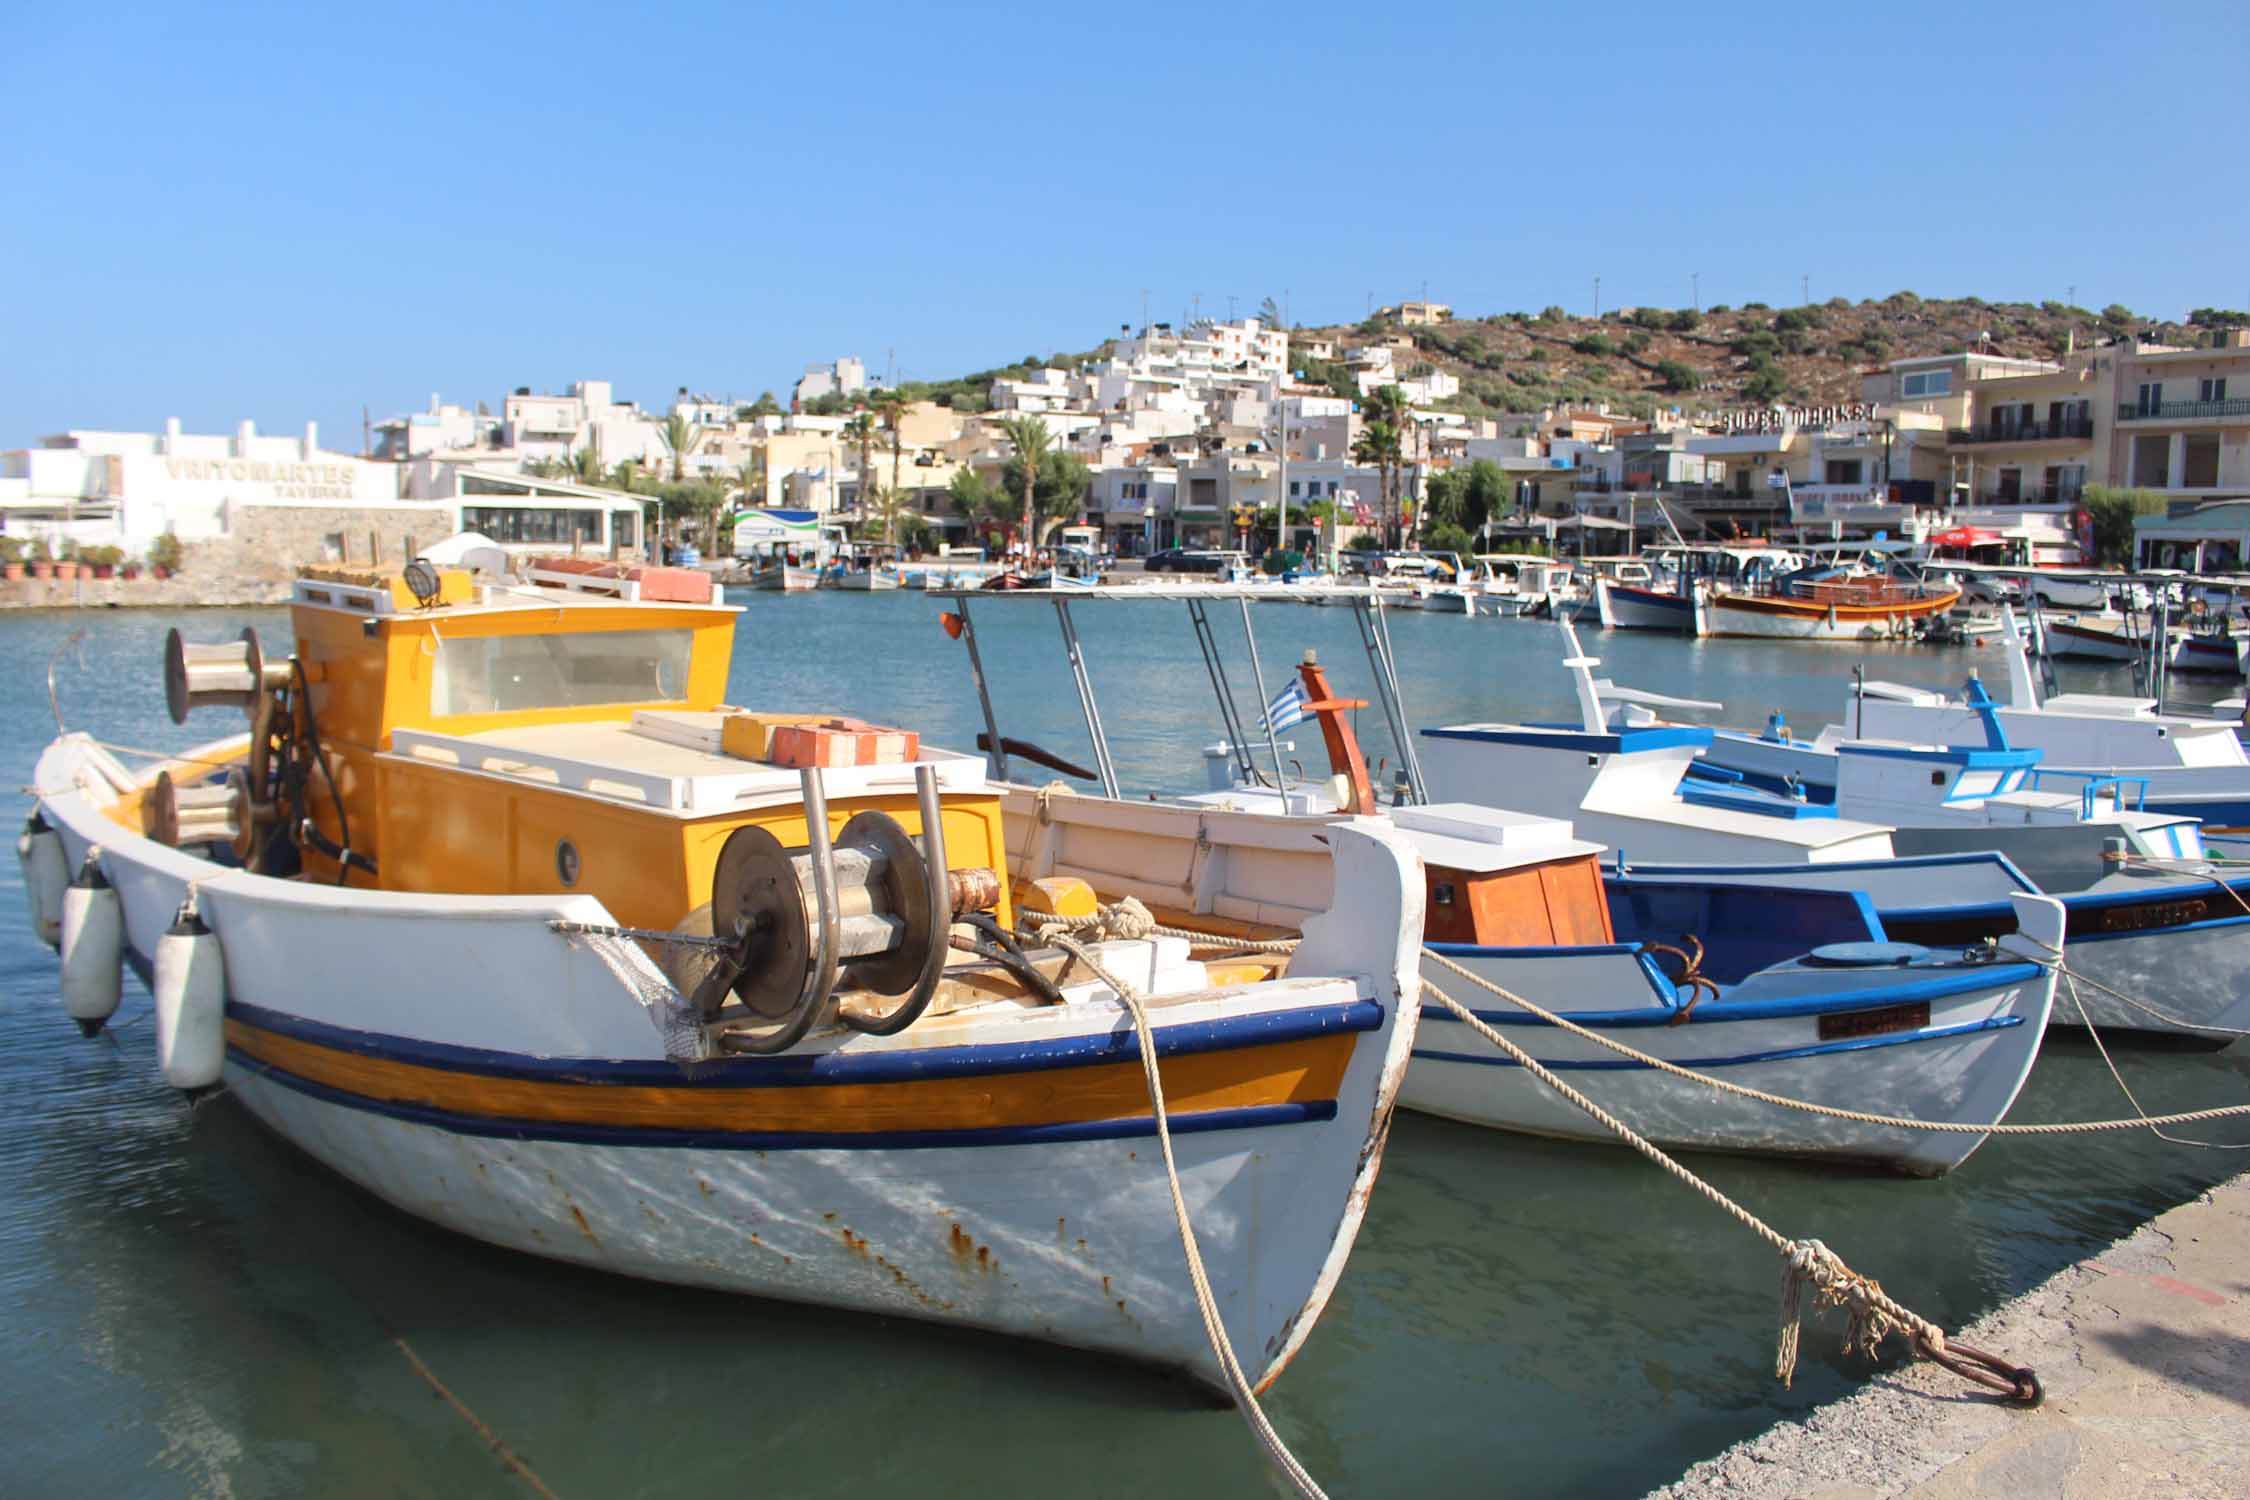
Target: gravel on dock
2144, 1351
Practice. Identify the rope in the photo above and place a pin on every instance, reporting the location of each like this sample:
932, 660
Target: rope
1245, 1399
1783, 1101
507, 1455
2111, 1064
2119, 995
1130, 919
1873, 1313
181, 757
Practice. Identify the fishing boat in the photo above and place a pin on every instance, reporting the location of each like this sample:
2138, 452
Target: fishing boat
2095, 637
500, 912
1843, 594
1801, 993
2180, 765
870, 567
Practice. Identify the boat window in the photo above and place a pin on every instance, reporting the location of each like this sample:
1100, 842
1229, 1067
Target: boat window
580, 669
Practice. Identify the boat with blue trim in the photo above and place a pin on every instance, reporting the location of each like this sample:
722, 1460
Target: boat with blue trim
500, 912
1799, 993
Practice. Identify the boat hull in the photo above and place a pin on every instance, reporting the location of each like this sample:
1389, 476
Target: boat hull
1810, 620
1624, 607
2090, 642
1960, 1057
994, 1167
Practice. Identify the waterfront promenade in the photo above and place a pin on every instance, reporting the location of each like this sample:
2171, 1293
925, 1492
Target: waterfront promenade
2144, 1350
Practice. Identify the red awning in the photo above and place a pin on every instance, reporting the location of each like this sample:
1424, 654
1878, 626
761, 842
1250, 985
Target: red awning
1965, 536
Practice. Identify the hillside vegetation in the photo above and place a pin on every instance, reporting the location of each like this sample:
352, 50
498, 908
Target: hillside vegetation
1638, 359
1641, 358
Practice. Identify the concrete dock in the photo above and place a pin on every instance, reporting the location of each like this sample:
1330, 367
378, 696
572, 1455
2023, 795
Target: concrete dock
2144, 1351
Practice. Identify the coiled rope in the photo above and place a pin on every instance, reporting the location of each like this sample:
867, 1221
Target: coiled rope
1245, 1399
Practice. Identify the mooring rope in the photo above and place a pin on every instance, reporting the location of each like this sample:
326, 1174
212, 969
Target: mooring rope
1245, 1399
1128, 918
2120, 996
2130, 1098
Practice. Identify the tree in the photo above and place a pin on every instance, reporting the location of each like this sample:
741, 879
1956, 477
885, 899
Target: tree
1269, 313
1378, 447
1676, 375
764, 406
2112, 512
1445, 498
1448, 536
585, 466
679, 436
1765, 384
1029, 437
860, 433
1389, 410
891, 407
979, 501
1487, 495
1058, 493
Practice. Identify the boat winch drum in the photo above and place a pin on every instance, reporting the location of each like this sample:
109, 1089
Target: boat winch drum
211, 812
93, 947
884, 921
233, 673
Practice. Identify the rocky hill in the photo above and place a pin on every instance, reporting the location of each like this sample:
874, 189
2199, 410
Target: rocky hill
1641, 358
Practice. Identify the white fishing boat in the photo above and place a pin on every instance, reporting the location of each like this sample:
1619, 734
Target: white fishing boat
499, 912
1797, 992
2180, 765
1843, 595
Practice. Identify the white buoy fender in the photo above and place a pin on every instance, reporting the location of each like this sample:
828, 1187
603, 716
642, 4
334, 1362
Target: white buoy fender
46, 872
93, 946
190, 984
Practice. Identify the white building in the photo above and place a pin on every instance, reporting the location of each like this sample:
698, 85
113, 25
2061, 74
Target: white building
128, 488
588, 415
444, 428
846, 377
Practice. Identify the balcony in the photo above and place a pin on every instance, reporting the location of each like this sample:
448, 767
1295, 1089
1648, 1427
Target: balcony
2157, 411
2069, 429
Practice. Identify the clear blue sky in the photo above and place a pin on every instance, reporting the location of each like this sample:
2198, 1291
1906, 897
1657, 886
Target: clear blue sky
286, 214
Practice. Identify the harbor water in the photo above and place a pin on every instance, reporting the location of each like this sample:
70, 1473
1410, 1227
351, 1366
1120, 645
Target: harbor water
194, 1308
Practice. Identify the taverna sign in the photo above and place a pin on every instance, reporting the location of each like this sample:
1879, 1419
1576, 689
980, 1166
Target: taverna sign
290, 481
1777, 418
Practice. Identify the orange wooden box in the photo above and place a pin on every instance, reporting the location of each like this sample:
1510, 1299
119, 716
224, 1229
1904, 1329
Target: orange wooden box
843, 742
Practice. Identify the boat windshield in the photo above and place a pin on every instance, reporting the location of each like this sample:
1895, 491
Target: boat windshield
577, 669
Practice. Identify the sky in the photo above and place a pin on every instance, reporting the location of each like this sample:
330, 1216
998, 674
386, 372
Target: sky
289, 214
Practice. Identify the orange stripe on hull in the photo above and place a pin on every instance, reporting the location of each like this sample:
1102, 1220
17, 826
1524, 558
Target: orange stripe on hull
1305, 1071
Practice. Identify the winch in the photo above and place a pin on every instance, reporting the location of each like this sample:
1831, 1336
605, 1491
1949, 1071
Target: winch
866, 904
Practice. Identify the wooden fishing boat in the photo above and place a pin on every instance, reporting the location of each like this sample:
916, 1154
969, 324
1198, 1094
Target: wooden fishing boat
499, 912
1839, 606
1798, 993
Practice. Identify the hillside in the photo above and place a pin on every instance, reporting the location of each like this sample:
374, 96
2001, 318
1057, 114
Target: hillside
1641, 358
1637, 359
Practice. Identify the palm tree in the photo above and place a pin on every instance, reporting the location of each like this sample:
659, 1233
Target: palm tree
1032, 442
860, 433
585, 466
1378, 446
680, 436
1388, 407
891, 407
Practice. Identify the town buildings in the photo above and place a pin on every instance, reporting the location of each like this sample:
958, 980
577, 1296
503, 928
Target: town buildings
1188, 432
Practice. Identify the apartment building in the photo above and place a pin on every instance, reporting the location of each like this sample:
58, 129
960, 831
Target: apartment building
2182, 419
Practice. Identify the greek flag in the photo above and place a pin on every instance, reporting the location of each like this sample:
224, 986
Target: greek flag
1287, 710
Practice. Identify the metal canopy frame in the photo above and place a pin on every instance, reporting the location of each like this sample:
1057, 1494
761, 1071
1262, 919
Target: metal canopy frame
1367, 610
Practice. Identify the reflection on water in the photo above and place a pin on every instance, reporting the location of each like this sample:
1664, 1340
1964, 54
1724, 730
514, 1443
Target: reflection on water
194, 1308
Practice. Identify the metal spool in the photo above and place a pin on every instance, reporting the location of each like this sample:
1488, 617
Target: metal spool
884, 923
234, 674
203, 813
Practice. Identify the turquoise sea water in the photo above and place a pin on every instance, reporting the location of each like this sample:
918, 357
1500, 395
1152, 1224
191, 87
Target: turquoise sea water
193, 1308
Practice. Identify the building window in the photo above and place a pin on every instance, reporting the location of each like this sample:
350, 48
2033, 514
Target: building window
522, 525
2152, 395
1843, 471
2211, 390
624, 528
1927, 383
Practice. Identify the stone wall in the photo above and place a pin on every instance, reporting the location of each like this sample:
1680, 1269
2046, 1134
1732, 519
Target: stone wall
255, 562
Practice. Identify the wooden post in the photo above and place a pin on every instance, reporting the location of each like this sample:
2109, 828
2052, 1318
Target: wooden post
1343, 743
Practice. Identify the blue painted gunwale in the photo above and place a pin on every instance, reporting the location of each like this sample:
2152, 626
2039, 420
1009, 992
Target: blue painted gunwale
1623, 741
1965, 980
